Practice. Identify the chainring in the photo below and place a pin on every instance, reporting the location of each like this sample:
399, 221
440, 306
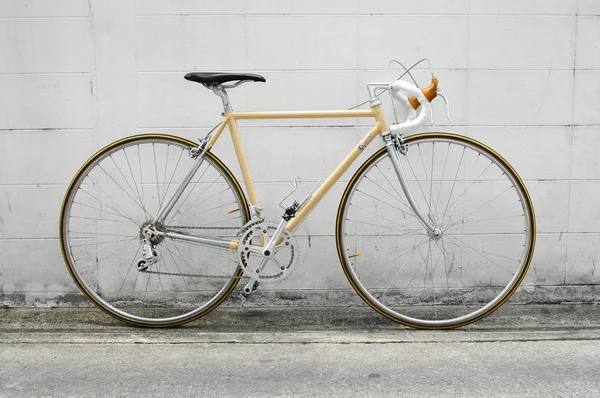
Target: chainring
279, 266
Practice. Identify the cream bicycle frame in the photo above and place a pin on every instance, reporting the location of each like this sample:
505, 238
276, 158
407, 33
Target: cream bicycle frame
230, 121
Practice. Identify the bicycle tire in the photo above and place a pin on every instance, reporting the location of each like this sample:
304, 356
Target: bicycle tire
119, 309
407, 301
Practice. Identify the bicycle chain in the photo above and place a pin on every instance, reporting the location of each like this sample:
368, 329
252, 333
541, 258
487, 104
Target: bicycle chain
244, 229
188, 227
194, 275
189, 275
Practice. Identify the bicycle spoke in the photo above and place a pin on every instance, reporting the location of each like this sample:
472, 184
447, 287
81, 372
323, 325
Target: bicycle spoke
122, 189
182, 202
485, 289
165, 173
141, 175
469, 187
396, 251
476, 263
115, 212
443, 251
129, 185
198, 259
419, 184
492, 213
454, 181
105, 257
207, 199
156, 174
442, 178
412, 251
429, 203
124, 278
394, 188
463, 244
449, 274
489, 201
104, 234
396, 277
386, 203
382, 226
392, 196
111, 270
173, 175
104, 247
376, 266
101, 243
135, 184
177, 266
100, 219
431, 178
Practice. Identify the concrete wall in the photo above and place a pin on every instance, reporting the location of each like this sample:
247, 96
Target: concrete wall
523, 77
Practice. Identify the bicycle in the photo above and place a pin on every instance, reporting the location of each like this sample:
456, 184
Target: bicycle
434, 230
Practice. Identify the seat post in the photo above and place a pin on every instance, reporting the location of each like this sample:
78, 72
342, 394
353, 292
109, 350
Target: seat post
220, 91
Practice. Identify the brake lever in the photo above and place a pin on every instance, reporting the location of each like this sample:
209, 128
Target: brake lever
442, 94
431, 117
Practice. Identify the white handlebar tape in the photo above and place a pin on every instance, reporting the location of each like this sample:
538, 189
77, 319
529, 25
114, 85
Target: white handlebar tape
409, 88
413, 91
412, 113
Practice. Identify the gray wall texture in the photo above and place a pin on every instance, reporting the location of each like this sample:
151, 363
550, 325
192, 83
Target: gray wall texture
522, 76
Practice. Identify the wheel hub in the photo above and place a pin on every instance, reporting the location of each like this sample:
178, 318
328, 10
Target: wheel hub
436, 234
150, 231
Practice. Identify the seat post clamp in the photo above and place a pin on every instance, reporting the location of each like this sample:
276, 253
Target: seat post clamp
221, 93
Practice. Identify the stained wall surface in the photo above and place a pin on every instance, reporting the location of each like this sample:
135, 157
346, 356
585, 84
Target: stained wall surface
75, 75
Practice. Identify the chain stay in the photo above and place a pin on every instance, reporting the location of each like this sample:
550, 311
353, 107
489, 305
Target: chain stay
195, 275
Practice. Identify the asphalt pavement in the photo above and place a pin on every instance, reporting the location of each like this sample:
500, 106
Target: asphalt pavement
527, 350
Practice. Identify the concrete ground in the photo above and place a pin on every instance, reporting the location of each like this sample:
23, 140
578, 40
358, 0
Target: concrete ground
529, 350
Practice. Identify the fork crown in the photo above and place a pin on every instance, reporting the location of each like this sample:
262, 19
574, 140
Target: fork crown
397, 140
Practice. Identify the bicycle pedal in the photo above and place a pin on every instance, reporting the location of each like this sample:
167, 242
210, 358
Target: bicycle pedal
250, 287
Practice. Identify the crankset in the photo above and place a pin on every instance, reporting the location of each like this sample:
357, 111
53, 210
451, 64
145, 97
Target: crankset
262, 262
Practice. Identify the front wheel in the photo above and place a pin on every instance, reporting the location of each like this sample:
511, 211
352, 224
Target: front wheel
479, 253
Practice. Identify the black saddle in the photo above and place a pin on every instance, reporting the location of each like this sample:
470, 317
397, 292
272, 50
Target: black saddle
213, 78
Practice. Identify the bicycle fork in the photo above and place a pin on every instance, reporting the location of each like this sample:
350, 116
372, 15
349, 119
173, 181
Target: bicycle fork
396, 148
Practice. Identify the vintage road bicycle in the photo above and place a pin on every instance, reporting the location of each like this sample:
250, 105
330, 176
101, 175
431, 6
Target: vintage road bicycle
433, 231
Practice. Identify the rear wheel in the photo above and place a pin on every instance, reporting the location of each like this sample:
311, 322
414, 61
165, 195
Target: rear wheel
116, 193
479, 253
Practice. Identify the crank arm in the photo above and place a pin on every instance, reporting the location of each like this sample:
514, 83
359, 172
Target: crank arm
268, 250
